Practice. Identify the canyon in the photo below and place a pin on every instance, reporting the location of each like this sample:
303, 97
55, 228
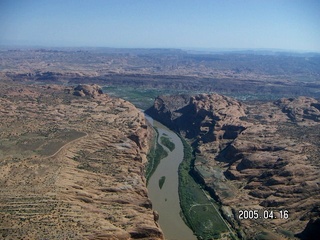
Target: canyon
252, 156
73, 159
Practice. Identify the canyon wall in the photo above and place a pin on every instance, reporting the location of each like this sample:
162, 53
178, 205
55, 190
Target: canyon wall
257, 155
72, 165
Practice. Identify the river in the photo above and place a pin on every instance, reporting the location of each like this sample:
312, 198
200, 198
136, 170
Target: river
166, 200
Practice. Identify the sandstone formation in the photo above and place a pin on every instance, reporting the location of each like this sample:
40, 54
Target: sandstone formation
92, 90
253, 156
301, 109
72, 167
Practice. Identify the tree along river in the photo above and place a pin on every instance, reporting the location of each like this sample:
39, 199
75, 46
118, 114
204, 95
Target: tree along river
166, 200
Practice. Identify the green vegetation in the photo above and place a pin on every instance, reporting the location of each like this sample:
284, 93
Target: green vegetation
199, 212
166, 142
161, 181
141, 97
155, 155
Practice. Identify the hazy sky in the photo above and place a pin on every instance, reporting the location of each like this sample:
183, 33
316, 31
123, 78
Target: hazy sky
281, 24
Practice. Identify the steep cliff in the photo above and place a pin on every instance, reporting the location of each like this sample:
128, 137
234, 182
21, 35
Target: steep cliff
72, 167
253, 155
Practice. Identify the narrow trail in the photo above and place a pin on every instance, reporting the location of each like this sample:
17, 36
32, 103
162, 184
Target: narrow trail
198, 204
68, 143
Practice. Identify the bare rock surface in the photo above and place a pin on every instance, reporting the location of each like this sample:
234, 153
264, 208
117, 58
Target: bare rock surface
92, 90
72, 167
301, 109
257, 155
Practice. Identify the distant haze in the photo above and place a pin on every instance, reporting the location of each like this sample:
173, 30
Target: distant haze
205, 24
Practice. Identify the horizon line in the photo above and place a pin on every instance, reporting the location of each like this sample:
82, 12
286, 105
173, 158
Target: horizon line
199, 49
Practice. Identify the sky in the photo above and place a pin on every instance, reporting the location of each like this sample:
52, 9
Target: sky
197, 24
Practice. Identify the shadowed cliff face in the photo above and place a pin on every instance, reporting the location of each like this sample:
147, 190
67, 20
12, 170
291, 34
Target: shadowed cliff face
199, 116
252, 156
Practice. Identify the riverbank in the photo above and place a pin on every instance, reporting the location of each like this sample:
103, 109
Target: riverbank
194, 205
200, 211
163, 188
154, 156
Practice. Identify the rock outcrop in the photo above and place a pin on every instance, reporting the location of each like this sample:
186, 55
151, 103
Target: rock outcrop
301, 109
92, 90
252, 156
200, 116
72, 168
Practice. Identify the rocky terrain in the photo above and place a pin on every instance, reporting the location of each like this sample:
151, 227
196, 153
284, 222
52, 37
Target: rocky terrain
72, 159
255, 75
72, 165
253, 155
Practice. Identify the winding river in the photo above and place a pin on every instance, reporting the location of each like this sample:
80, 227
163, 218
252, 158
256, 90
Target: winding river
166, 200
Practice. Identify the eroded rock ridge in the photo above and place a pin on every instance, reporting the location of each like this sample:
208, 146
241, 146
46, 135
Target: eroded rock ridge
261, 155
72, 167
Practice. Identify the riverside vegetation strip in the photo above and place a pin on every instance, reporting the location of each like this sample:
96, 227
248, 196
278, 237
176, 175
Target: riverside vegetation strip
198, 211
154, 156
165, 201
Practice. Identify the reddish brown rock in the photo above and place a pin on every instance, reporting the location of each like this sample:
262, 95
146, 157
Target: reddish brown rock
92, 90
72, 167
252, 156
300, 109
